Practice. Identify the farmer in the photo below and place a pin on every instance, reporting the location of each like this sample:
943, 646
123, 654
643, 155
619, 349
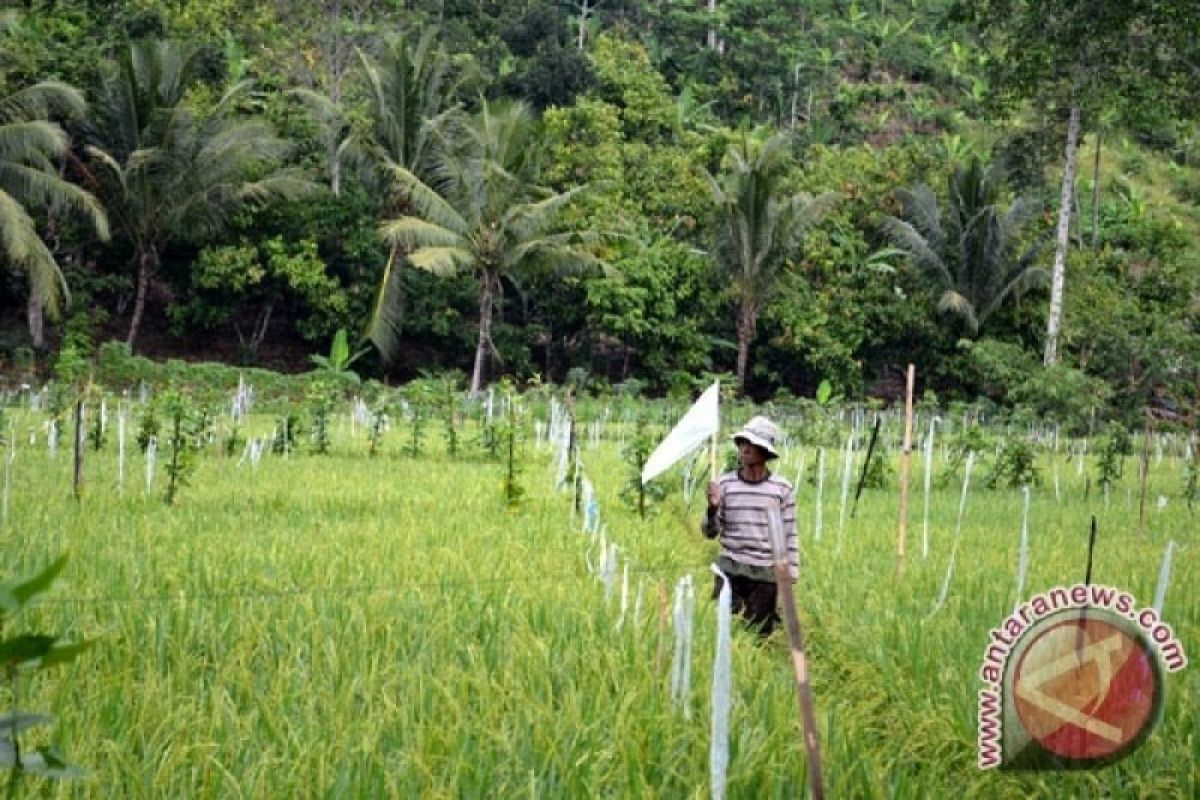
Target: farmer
738, 503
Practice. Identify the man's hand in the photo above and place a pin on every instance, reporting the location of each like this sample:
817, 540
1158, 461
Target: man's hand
714, 496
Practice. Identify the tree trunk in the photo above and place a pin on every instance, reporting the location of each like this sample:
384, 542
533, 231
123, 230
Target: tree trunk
747, 320
147, 268
36, 313
1063, 240
583, 15
487, 296
712, 26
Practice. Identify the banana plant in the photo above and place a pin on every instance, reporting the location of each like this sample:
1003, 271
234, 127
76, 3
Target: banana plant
337, 364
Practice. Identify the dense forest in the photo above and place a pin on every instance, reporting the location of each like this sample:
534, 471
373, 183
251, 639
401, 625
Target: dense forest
633, 192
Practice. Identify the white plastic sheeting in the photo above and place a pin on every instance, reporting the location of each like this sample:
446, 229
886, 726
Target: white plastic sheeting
722, 691
681, 662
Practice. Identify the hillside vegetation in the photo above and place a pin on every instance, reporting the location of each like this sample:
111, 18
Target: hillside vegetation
613, 191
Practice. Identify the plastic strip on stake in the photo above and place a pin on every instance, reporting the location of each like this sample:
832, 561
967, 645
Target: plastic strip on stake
121, 446
1023, 556
928, 486
1164, 578
681, 664
624, 594
819, 512
151, 453
722, 692
962, 505
847, 468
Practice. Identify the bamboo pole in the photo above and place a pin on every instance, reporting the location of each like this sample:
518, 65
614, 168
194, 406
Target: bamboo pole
905, 459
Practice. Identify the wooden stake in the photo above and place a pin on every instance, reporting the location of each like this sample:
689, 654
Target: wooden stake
77, 487
862, 478
905, 459
808, 715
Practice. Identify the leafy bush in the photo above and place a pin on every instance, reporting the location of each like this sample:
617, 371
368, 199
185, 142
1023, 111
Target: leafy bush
1015, 466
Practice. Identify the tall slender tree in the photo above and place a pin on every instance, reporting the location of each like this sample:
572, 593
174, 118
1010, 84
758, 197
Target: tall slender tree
758, 227
1081, 56
167, 172
484, 213
30, 145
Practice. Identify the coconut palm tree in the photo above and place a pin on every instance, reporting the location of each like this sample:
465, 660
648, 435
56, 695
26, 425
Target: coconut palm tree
29, 145
409, 89
758, 227
484, 213
167, 172
974, 252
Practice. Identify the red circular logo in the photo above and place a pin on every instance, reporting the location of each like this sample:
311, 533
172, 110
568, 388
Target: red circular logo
1086, 688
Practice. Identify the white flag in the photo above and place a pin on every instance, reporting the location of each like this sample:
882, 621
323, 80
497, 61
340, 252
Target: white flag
700, 422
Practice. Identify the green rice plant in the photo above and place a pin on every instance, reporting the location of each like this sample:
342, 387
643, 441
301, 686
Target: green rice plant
409, 636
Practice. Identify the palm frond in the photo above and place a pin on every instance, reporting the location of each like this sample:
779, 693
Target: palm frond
22, 141
441, 261
42, 189
41, 101
905, 236
954, 303
426, 202
24, 249
384, 325
411, 233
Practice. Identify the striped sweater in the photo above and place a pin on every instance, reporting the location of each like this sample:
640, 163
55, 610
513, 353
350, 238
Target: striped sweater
741, 523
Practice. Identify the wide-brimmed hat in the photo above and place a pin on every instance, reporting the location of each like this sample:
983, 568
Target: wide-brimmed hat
762, 432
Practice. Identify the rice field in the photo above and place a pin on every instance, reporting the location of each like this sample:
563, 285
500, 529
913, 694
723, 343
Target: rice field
344, 625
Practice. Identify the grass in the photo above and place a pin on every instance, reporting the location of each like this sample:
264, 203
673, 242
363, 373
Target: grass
346, 626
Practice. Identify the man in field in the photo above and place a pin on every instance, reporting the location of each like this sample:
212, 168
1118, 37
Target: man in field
738, 503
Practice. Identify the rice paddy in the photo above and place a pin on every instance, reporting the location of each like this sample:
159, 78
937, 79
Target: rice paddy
342, 625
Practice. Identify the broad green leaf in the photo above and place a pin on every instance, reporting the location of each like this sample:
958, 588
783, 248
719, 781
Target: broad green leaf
16, 594
23, 648
824, 391
63, 653
339, 351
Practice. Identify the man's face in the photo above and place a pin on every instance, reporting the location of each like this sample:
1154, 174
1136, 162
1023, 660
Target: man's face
750, 454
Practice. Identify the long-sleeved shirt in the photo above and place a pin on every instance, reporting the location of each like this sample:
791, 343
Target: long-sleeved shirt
741, 523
